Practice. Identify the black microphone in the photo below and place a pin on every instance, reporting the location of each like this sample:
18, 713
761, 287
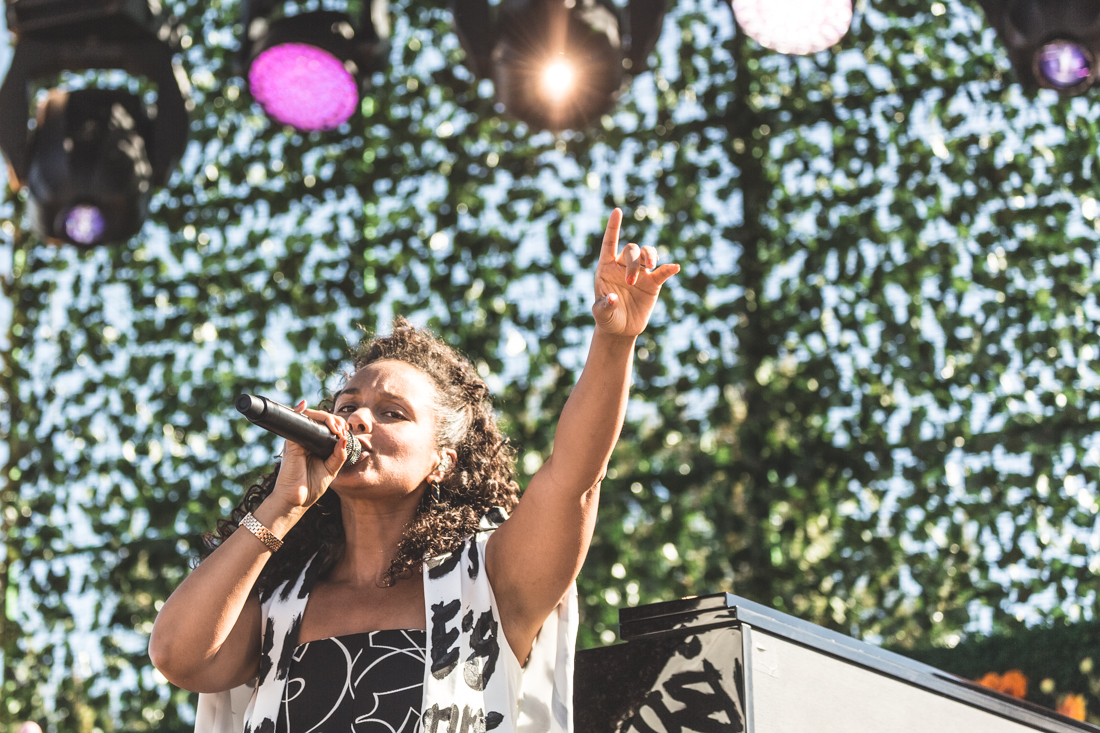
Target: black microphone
281, 420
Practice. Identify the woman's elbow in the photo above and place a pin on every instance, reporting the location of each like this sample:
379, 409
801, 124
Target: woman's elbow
166, 655
160, 650
184, 664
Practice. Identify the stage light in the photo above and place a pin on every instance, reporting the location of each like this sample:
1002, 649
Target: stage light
794, 26
557, 64
1054, 45
90, 178
306, 70
85, 224
1063, 65
94, 155
558, 80
303, 86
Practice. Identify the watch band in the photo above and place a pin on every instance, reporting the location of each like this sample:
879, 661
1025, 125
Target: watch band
262, 533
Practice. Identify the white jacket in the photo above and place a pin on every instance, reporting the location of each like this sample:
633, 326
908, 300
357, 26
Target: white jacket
472, 679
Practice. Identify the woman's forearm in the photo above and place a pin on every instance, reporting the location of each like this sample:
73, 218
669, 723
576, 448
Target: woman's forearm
593, 415
206, 636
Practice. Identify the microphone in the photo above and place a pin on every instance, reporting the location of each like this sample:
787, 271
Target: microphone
281, 420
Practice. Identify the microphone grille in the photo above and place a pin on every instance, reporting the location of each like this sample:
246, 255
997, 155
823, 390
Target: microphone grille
355, 449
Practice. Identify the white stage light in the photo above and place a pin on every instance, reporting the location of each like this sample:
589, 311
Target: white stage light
558, 80
794, 26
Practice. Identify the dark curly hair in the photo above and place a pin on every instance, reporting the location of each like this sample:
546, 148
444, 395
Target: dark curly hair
482, 477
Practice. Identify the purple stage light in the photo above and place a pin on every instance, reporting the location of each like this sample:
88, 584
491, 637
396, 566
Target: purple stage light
85, 224
1063, 65
303, 86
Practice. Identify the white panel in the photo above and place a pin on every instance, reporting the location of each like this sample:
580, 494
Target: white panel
799, 690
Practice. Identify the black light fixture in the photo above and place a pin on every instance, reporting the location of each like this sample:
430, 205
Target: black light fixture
1052, 44
94, 155
90, 175
308, 70
557, 64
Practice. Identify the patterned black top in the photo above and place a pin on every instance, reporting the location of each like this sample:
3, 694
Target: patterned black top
362, 683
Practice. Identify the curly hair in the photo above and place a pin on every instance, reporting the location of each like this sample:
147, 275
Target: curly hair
482, 477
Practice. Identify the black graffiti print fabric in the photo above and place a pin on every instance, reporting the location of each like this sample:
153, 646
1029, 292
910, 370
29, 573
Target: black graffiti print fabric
361, 683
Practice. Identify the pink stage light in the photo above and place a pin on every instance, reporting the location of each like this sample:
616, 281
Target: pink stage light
303, 86
794, 26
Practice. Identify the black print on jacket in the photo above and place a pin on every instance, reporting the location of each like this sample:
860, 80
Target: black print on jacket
265, 652
469, 721
435, 715
472, 722
443, 565
289, 643
483, 660
475, 562
313, 572
444, 649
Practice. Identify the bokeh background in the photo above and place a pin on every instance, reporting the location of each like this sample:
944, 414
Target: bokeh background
868, 400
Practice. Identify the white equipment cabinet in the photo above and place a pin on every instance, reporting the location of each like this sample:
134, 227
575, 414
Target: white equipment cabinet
722, 664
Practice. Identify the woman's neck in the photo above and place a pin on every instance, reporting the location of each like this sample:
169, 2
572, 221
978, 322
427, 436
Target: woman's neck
372, 535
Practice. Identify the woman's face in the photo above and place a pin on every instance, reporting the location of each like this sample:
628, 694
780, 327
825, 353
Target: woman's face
389, 406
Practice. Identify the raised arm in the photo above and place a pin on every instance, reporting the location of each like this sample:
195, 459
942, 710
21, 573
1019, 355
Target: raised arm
534, 557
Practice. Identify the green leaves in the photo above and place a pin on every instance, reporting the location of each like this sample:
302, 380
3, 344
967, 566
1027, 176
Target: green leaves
866, 400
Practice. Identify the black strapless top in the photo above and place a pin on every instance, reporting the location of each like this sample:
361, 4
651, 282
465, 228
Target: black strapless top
362, 683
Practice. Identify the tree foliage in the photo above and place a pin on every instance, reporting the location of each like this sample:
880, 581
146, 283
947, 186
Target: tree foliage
869, 400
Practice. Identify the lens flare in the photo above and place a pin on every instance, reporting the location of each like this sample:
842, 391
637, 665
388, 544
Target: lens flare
85, 224
301, 85
794, 26
1063, 65
558, 80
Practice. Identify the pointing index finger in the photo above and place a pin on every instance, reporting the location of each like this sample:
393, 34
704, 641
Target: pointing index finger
609, 250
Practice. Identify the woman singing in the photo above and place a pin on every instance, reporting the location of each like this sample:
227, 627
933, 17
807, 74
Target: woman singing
396, 593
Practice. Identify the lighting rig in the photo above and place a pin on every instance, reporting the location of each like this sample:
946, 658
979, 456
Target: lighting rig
1054, 45
557, 64
794, 26
94, 155
307, 70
